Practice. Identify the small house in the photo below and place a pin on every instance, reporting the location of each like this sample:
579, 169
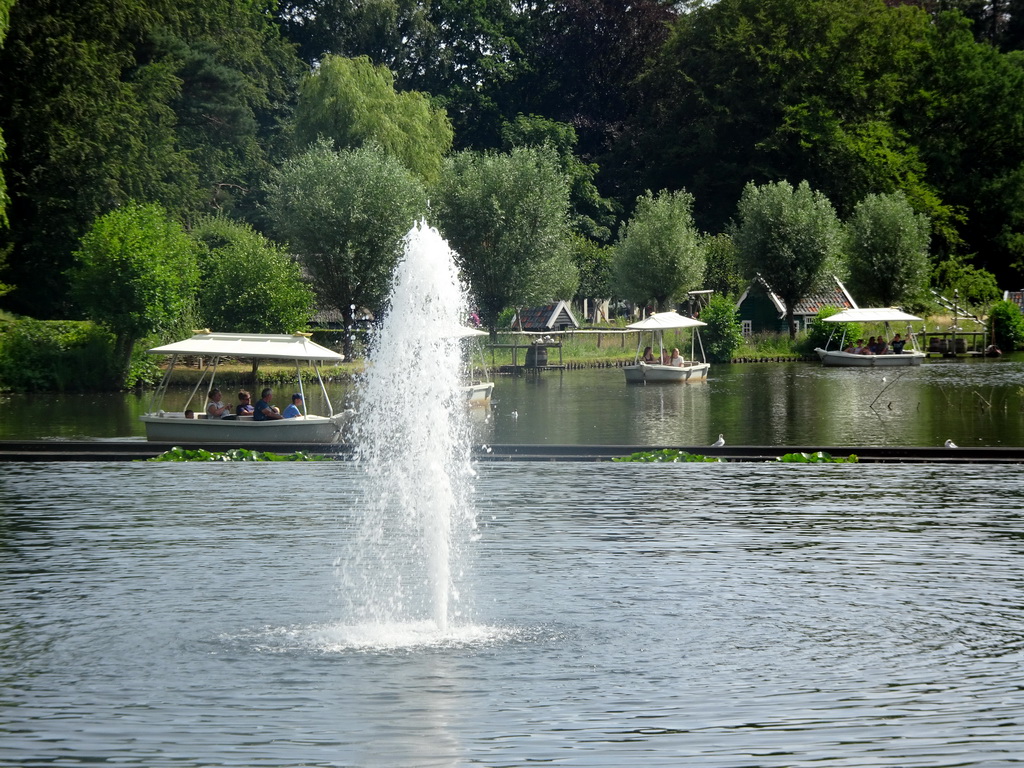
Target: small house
550, 317
761, 310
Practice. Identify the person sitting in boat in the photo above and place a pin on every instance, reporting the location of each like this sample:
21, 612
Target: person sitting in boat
677, 359
190, 414
264, 411
293, 410
869, 348
244, 407
897, 344
881, 346
648, 355
216, 409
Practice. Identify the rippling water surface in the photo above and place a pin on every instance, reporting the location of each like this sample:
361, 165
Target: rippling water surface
618, 615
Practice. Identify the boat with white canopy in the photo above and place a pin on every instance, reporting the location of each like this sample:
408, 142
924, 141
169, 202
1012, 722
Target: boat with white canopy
165, 426
846, 355
655, 370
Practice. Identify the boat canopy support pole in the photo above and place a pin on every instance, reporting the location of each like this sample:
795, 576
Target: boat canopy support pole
298, 377
323, 388
161, 390
700, 341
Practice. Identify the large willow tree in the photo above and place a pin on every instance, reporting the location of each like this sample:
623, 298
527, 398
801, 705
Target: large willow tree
354, 103
789, 236
506, 214
659, 254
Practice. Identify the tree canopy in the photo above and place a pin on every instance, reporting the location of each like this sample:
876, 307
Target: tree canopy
788, 236
506, 215
345, 213
194, 105
248, 283
354, 103
659, 255
886, 246
135, 274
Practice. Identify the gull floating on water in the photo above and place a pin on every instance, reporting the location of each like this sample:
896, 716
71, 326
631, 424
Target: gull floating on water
951, 444
719, 442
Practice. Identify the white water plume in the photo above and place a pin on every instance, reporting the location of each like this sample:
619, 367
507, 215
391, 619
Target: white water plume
406, 562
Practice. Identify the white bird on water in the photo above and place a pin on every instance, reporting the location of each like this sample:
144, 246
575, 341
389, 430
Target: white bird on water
951, 444
719, 442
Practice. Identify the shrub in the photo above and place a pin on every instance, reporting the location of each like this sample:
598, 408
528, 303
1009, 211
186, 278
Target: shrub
722, 336
1006, 325
55, 355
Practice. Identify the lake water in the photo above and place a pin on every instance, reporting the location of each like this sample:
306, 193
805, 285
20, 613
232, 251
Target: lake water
615, 615
973, 402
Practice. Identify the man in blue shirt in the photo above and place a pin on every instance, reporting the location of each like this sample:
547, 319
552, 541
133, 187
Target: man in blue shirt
264, 411
293, 410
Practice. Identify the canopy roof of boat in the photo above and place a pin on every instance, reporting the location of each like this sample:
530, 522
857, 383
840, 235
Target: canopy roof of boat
871, 315
255, 345
663, 321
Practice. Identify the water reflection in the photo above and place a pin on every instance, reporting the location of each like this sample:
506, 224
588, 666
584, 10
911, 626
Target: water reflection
972, 402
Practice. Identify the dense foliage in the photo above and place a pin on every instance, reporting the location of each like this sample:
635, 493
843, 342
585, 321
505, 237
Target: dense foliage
887, 248
248, 283
1006, 326
506, 215
788, 236
200, 107
345, 214
659, 255
722, 336
135, 275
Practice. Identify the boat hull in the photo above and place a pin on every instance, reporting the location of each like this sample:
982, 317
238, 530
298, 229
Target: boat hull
175, 428
478, 394
849, 360
642, 373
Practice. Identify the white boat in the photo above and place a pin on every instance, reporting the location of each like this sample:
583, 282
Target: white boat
174, 427
889, 359
641, 372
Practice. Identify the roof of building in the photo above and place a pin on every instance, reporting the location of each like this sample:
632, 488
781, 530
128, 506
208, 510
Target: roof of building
832, 294
546, 318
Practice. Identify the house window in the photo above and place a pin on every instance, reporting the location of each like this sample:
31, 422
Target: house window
746, 327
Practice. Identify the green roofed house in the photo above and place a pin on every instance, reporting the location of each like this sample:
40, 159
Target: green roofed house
761, 310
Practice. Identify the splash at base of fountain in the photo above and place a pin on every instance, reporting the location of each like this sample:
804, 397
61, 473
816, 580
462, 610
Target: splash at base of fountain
407, 563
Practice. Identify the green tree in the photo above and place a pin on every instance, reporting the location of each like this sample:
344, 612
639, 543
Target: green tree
594, 264
104, 103
976, 287
789, 236
345, 214
887, 250
723, 334
135, 274
249, 284
658, 255
354, 103
966, 110
722, 274
1006, 326
592, 215
506, 215
770, 89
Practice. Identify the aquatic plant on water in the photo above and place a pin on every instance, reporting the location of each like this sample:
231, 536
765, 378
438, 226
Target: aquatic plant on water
235, 454
819, 457
668, 455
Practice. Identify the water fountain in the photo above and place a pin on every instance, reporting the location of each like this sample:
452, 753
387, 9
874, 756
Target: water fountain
404, 569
